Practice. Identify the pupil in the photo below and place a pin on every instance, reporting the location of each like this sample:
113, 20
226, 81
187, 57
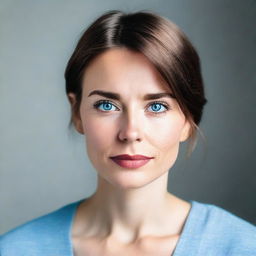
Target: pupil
156, 107
107, 106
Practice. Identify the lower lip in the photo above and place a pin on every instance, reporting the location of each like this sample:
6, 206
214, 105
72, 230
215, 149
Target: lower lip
131, 164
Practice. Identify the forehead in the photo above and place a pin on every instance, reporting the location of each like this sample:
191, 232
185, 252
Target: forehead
122, 68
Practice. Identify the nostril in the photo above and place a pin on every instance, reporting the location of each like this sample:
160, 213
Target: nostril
129, 131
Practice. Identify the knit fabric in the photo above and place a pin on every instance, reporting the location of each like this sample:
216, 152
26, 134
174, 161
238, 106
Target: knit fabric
208, 230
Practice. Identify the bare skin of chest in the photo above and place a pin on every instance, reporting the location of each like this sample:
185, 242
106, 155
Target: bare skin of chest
146, 247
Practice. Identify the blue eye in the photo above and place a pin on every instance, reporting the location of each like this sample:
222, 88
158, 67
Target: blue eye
104, 105
157, 106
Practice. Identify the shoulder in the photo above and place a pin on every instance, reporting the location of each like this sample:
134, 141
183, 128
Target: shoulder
228, 231
40, 234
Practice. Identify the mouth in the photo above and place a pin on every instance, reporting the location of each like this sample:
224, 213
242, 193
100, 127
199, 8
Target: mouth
131, 162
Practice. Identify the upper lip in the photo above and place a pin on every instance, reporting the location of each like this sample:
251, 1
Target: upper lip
129, 157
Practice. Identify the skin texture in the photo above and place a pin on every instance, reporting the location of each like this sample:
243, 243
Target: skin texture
130, 206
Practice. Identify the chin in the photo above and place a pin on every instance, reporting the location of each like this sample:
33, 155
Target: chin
129, 180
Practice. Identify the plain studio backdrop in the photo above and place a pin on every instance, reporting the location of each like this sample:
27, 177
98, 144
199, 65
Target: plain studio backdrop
44, 166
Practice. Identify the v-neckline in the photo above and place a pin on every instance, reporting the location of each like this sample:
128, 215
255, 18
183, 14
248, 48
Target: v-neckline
180, 242
185, 230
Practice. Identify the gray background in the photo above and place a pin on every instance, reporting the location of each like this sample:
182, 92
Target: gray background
44, 166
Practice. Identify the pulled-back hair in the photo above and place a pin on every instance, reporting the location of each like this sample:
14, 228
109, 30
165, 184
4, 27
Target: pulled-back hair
158, 39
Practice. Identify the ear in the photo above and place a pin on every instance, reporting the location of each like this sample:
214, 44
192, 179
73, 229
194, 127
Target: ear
186, 130
75, 116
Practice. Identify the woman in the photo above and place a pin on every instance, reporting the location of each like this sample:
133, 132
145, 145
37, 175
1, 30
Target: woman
136, 92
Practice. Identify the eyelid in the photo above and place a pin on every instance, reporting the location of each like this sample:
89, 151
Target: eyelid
164, 103
99, 102
159, 102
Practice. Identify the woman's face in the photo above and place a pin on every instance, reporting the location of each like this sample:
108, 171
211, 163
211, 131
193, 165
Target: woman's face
131, 123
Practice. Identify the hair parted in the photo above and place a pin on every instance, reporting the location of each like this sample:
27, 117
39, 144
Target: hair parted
158, 39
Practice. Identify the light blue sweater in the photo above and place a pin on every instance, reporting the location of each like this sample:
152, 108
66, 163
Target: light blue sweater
209, 231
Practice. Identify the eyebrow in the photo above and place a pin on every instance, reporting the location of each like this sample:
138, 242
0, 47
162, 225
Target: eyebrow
116, 96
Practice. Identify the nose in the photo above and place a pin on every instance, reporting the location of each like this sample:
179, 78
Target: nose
130, 128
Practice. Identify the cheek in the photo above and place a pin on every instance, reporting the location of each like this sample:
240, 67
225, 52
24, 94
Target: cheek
167, 134
167, 143
95, 134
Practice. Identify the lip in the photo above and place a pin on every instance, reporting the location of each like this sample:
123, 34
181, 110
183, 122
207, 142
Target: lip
131, 162
130, 157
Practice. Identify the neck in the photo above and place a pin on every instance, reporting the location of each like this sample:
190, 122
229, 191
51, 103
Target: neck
128, 214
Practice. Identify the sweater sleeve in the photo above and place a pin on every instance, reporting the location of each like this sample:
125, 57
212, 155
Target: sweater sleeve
227, 234
44, 236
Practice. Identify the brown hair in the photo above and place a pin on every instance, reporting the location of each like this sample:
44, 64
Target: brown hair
157, 38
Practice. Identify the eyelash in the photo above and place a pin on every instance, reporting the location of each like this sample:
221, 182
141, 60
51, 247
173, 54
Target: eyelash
100, 102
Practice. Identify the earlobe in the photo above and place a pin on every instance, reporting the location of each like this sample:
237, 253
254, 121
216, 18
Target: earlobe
185, 132
78, 124
76, 119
